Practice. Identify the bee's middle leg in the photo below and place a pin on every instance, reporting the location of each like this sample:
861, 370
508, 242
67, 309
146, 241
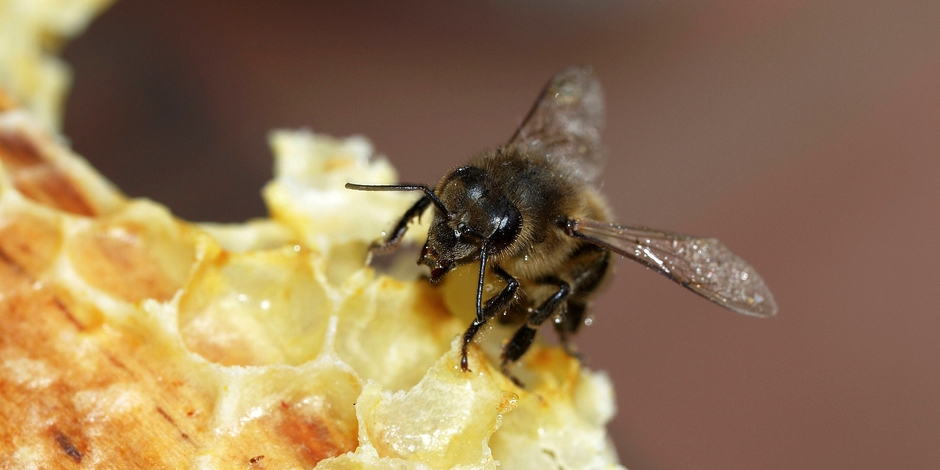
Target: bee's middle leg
522, 340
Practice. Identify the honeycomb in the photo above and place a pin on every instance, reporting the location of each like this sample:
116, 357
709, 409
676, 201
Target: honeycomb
131, 338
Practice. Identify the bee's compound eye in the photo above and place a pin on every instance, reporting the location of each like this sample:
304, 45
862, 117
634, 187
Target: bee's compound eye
465, 231
507, 228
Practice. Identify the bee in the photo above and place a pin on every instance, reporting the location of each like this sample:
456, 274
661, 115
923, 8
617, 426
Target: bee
530, 214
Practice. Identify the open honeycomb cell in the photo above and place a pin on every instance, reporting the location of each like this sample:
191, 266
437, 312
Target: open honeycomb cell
131, 338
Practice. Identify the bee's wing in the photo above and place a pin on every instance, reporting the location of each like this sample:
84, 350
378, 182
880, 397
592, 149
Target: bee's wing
566, 121
703, 265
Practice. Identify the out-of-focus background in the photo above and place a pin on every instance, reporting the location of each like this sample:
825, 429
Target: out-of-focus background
803, 133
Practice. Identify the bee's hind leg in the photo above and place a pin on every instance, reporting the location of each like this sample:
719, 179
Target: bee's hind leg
567, 325
596, 264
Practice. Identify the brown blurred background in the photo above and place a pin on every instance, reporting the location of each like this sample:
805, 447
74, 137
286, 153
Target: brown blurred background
803, 133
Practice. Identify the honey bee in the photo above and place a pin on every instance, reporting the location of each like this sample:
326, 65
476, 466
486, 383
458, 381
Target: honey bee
529, 213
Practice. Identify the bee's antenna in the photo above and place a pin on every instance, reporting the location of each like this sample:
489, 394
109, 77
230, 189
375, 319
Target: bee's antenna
480, 282
400, 187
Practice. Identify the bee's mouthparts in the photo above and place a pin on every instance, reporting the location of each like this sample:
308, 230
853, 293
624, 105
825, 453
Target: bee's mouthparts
438, 267
437, 274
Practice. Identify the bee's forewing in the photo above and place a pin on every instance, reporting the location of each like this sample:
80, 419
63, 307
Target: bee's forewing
703, 265
565, 122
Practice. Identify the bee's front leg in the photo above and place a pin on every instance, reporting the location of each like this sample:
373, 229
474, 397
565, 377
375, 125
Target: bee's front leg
394, 237
495, 305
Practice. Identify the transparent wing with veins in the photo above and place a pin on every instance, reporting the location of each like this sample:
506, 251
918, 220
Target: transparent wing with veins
703, 265
565, 122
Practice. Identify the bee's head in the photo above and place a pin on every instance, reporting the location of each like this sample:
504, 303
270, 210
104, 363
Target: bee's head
478, 216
